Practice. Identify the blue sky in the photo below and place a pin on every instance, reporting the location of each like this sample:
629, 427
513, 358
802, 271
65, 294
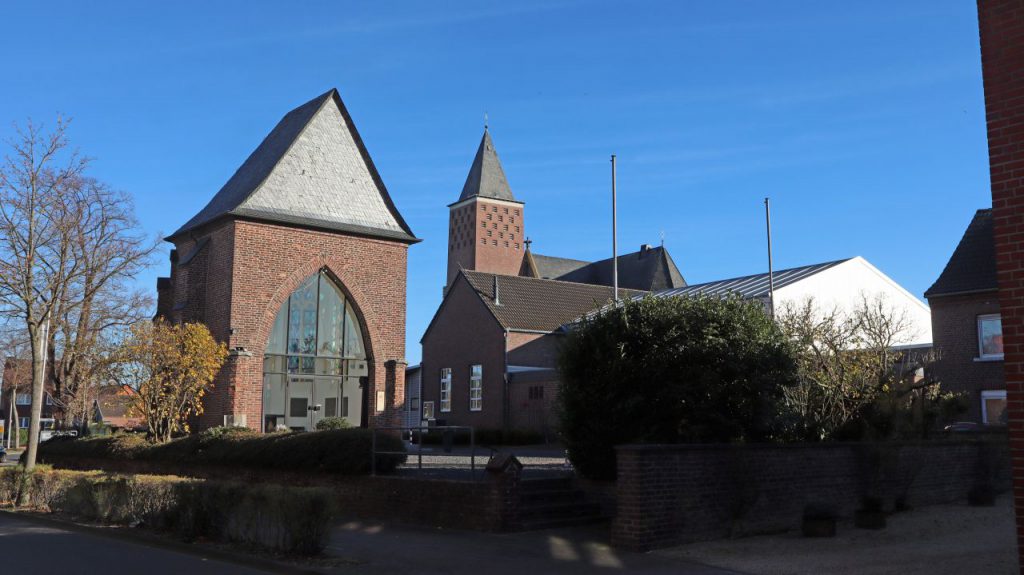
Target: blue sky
864, 121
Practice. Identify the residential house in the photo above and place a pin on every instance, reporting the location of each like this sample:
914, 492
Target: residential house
968, 329
17, 385
112, 408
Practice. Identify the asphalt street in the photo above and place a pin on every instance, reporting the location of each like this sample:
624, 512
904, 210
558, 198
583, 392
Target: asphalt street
30, 547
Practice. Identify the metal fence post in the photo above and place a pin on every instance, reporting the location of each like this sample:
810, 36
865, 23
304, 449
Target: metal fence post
373, 452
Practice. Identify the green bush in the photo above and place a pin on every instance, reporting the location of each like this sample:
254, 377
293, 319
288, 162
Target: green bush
671, 370
280, 518
340, 451
332, 423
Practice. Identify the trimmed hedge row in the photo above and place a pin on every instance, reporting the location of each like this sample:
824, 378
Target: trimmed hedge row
279, 518
338, 451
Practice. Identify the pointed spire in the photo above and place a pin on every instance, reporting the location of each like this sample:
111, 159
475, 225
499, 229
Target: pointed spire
486, 177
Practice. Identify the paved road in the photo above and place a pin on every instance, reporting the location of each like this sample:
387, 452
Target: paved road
381, 549
30, 547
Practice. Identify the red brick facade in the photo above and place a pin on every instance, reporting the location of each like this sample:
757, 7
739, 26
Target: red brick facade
245, 271
955, 335
1001, 23
485, 235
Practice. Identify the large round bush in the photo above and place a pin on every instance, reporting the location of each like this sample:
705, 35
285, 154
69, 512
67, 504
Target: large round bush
671, 370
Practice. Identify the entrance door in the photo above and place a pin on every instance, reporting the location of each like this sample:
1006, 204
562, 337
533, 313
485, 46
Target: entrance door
300, 399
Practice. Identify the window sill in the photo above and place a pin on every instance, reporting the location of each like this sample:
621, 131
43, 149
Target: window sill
988, 359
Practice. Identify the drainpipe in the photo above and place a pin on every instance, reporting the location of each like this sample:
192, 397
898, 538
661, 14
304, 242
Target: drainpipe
506, 413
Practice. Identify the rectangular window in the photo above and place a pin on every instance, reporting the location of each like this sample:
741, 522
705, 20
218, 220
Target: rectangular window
344, 407
298, 407
23, 423
476, 388
990, 336
993, 407
414, 404
24, 399
49, 399
428, 410
446, 390
330, 407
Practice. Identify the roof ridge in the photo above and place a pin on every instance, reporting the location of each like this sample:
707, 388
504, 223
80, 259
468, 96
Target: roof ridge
528, 278
774, 272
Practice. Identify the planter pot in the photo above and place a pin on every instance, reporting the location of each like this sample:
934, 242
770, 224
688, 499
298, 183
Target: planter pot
813, 527
869, 519
981, 497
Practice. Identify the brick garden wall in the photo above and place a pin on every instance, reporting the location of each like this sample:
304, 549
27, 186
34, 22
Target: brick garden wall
673, 494
490, 504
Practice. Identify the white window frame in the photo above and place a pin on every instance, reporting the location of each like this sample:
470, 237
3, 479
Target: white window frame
990, 394
24, 422
23, 399
428, 410
446, 390
981, 343
476, 387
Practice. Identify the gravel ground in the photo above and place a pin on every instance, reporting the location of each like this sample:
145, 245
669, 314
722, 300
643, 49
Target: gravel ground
937, 540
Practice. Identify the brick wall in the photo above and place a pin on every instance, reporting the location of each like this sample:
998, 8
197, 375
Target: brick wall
247, 270
533, 396
673, 494
955, 333
1001, 26
486, 235
464, 333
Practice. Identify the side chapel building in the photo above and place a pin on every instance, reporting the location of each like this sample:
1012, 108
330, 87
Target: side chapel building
299, 264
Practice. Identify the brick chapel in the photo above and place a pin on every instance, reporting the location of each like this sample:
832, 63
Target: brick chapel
299, 264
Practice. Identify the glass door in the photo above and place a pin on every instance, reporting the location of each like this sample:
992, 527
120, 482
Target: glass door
300, 399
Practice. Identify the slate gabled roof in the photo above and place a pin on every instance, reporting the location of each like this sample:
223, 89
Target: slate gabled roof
486, 177
753, 286
532, 304
649, 269
311, 170
972, 267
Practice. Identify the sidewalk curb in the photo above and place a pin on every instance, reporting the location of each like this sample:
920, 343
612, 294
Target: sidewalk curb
154, 540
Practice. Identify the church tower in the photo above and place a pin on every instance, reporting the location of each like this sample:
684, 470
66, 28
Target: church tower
485, 226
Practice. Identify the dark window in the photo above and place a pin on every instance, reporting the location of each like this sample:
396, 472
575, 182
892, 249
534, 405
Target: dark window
331, 407
298, 406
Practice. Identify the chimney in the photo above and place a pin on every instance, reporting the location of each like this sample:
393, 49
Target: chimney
497, 299
644, 248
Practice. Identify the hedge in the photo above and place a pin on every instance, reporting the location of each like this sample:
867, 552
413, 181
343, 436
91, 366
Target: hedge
275, 517
339, 451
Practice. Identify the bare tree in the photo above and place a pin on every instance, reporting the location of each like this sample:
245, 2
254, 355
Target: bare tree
849, 360
67, 245
98, 306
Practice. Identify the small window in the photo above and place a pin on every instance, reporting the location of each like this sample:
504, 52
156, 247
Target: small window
488, 233
49, 399
494, 209
446, 390
494, 242
298, 407
993, 407
501, 218
24, 399
517, 246
483, 224
506, 227
23, 422
428, 410
506, 210
331, 407
990, 336
476, 388
483, 241
517, 212
488, 216
344, 407
414, 404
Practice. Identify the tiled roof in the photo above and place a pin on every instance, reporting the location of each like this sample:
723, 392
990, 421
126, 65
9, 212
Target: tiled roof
312, 170
486, 177
753, 286
534, 304
650, 268
972, 267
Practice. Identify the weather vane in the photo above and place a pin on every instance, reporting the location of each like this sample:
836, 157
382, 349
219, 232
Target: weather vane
485, 120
